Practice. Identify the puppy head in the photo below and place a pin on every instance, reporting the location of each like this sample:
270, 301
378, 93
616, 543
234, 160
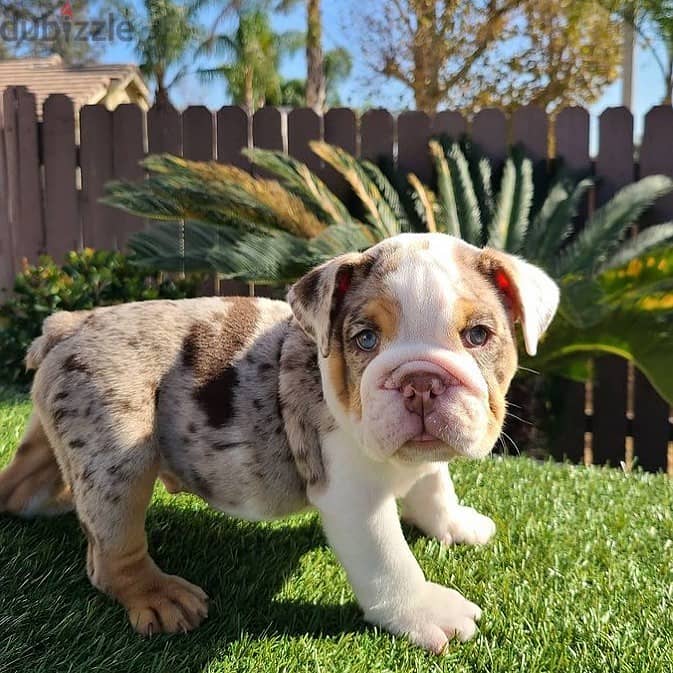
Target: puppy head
417, 341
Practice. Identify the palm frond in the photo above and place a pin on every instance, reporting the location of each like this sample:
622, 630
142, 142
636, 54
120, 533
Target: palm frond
388, 192
601, 235
379, 214
521, 204
424, 201
497, 228
217, 193
640, 244
467, 206
553, 223
309, 187
508, 228
447, 211
341, 238
482, 179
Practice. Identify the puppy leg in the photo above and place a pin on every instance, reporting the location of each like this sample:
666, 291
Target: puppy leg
32, 483
118, 563
359, 515
431, 505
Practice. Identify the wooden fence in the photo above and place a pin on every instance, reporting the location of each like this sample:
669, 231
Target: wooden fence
53, 170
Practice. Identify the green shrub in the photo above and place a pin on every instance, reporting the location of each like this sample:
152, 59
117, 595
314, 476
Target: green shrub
87, 279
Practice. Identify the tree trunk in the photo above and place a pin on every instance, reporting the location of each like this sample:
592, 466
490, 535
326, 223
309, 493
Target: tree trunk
249, 91
161, 94
668, 99
315, 78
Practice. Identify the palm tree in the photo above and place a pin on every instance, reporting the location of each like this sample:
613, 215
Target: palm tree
659, 14
316, 84
652, 21
253, 54
337, 65
164, 35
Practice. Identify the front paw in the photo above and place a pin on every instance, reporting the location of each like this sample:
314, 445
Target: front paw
433, 617
467, 526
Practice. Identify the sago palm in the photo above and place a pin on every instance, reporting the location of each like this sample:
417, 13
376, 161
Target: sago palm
271, 231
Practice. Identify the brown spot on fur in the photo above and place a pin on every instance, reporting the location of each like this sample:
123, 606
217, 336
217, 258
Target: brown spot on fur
216, 397
210, 353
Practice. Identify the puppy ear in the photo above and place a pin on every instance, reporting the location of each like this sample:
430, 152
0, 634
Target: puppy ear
317, 297
528, 292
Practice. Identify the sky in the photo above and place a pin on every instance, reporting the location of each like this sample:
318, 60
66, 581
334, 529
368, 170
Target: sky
337, 14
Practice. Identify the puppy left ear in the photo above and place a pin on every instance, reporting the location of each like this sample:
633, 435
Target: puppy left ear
316, 298
527, 291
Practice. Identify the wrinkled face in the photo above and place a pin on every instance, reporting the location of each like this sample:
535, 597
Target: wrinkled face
417, 341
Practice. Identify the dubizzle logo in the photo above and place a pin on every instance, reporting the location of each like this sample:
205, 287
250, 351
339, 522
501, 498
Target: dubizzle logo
66, 10
62, 25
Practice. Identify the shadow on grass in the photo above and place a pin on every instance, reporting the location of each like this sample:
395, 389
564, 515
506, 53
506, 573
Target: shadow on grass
53, 619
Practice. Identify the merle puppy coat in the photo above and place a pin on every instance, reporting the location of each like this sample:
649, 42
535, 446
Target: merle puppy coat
349, 398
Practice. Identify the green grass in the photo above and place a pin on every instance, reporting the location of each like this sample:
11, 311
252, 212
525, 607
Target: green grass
579, 578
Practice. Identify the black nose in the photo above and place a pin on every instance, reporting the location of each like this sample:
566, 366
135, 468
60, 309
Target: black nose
420, 390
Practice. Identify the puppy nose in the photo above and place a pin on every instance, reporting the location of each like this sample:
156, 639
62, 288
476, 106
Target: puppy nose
420, 390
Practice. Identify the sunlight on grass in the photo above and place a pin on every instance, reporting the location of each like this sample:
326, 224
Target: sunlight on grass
579, 578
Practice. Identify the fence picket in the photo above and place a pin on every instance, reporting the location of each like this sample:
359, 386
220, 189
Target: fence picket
60, 177
572, 139
530, 129
340, 128
96, 162
450, 123
127, 153
233, 128
489, 133
267, 133
377, 135
614, 168
6, 243
23, 167
650, 425
198, 133
164, 130
569, 436
413, 134
304, 125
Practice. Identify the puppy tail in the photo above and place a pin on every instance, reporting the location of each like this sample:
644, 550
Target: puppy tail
55, 329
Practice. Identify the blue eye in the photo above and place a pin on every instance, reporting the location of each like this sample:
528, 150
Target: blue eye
476, 336
367, 340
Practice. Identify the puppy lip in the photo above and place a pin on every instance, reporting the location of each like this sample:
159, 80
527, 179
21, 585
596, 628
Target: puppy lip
424, 438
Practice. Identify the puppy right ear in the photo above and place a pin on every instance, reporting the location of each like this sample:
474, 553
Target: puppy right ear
317, 297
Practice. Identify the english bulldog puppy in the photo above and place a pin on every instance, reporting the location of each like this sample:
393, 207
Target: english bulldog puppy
349, 398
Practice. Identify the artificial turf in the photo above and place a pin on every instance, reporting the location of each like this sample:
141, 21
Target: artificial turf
578, 578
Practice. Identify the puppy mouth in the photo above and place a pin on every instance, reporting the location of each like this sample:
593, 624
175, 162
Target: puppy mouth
423, 438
